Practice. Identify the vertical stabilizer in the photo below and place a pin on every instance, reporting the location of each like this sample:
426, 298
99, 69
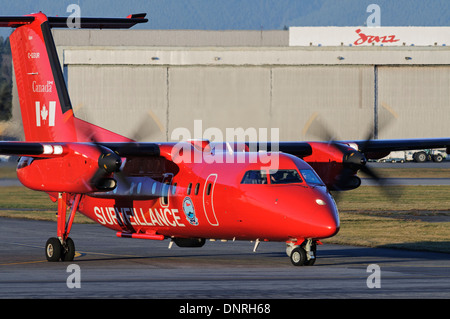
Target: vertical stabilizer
45, 105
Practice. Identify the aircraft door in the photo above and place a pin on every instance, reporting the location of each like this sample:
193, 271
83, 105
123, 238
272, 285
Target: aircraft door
208, 199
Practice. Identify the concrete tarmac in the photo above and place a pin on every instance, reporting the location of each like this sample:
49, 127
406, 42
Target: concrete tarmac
109, 267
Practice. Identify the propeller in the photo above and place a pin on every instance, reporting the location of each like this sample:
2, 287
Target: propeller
353, 160
110, 163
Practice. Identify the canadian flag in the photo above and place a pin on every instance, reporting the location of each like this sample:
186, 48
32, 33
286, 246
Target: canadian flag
45, 115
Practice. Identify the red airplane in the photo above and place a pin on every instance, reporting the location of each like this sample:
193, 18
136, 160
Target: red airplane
186, 192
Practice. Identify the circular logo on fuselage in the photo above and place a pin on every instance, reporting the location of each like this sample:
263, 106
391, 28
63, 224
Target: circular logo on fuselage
189, 211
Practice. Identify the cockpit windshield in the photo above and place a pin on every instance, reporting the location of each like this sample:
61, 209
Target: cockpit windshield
311, 177
255, 177
285, 176
281, 176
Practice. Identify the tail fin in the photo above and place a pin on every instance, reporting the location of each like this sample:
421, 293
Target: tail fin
46, 109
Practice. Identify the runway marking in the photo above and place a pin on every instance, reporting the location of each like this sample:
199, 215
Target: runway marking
114, 255
24, 262
77, 254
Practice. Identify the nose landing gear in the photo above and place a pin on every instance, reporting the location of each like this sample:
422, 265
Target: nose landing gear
303, 254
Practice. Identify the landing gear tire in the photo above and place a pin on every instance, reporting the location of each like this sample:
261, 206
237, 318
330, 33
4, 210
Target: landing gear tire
53, 249
298, 256
68, 250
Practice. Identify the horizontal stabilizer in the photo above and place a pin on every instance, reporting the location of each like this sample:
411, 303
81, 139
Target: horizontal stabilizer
14, 22
83, 23
98, 23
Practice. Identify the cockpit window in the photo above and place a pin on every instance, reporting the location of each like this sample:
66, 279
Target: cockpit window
285, 176
311, 177
254, 177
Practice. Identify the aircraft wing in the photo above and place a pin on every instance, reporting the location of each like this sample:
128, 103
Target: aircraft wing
53, 149
133, 149
401, 144
32, 149
300, 149
370, 148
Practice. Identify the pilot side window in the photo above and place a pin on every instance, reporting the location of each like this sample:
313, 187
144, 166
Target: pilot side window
254, 177
285, 176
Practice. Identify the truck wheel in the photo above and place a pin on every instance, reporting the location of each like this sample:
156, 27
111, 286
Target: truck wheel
438, 158
420, 157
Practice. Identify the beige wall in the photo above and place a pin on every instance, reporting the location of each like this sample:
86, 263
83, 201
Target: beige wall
116, 97
284, 97
421, 97
252, 80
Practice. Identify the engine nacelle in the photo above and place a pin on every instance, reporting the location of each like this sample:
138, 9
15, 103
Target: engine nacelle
350, 183
76, 170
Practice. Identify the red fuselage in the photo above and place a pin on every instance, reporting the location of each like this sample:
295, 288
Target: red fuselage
217, 199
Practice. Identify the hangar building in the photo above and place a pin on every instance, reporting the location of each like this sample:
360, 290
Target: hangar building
397, 81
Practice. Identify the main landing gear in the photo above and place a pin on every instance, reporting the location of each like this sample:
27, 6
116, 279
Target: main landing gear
62, 247
303, 254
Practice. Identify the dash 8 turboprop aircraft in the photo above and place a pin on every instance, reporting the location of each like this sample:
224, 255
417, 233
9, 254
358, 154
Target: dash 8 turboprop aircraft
144, 190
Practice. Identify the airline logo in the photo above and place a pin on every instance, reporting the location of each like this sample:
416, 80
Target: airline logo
369, 39
189, 211
45, 115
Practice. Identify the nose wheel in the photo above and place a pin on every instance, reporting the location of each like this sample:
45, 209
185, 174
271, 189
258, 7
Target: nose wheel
302, 255
298, 256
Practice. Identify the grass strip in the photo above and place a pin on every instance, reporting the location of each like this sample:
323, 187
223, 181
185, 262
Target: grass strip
367, 217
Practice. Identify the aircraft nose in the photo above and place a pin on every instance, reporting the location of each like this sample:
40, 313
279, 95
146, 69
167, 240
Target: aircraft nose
325, 222
329, 226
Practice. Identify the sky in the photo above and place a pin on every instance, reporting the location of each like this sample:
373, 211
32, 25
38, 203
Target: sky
244, 14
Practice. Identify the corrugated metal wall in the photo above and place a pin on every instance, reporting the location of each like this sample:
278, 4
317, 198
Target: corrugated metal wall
118, 97
421, 97
253, 80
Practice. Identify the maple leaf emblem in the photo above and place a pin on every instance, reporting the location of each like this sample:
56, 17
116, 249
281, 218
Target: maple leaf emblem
44, 113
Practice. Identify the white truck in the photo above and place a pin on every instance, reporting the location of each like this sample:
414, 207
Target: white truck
419, 156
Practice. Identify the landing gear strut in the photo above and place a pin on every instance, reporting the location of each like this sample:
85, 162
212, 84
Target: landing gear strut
62, 247
303, 254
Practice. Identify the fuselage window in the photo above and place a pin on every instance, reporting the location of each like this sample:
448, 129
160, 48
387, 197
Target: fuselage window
208, 189
154, 188
174, 188
285, 176
197, 187
254, 177
165, 193
189, 189
139, 188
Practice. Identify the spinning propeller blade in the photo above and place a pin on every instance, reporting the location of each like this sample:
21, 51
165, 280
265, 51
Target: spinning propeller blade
353, 160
